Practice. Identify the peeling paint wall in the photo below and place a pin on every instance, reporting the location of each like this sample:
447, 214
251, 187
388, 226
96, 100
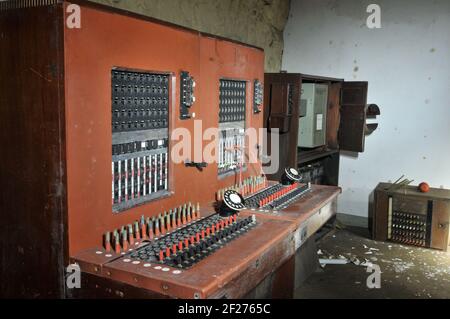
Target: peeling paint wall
256, 22
407, 64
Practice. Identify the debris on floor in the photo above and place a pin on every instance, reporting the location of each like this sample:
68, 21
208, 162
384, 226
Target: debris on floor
406, 271
335, 261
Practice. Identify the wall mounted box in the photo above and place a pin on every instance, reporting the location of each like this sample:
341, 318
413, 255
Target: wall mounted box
343, 121
313, 115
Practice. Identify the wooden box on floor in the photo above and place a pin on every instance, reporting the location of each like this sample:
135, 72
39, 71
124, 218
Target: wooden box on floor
408, 216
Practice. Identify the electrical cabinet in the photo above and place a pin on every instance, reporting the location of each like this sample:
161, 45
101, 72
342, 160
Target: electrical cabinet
315, 118
313, 115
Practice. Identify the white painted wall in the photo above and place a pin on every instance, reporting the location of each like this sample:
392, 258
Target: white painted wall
407, 65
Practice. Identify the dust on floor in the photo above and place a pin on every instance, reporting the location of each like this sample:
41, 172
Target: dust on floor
406, 272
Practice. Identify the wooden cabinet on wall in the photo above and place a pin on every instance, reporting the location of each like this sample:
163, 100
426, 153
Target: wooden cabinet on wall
344, 123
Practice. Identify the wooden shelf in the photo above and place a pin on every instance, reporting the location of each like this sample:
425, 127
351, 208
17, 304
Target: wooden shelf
307, 156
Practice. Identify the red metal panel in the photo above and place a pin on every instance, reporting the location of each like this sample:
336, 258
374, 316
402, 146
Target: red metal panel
104, 41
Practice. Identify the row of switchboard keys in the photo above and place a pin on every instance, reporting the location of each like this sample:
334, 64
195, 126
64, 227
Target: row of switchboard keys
140, 176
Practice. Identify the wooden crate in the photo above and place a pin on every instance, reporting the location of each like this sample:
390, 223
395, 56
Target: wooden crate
410, 217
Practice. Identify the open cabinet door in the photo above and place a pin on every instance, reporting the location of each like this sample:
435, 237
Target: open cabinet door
280, 109
353, 116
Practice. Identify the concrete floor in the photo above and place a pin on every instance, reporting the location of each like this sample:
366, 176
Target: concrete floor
406, 272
